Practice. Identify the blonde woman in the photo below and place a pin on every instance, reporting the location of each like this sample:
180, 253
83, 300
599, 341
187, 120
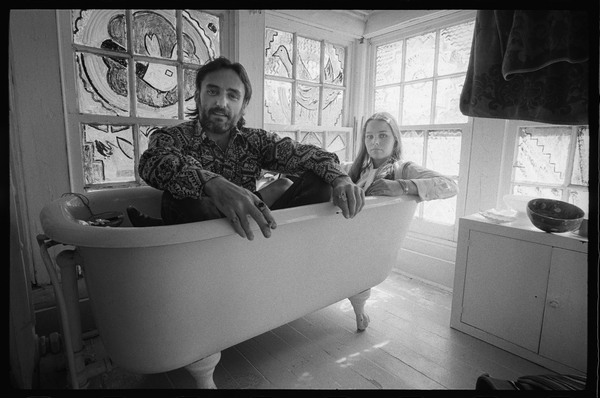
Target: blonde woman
380, 170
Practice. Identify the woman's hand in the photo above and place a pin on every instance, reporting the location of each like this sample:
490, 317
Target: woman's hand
237, 204
348, 196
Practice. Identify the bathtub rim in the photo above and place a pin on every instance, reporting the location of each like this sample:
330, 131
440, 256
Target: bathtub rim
59, 224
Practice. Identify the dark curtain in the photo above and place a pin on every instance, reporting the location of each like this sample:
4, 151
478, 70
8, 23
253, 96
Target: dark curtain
529, 65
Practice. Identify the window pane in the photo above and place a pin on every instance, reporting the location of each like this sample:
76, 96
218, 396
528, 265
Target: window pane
336, 143
279, 48
443, 156
581, 162
412, 145
447, 101
455, 48
156, 90
144, 136
580, 199
335, 57
102, 84
100, 29
420, 54
189, 81
388, 100
201, 37
289, 134
108, 153
443, 151
307, 105
542, 154
311, 138
416, 104
278, 102
154, 33
388, 67
333, 102
309, 59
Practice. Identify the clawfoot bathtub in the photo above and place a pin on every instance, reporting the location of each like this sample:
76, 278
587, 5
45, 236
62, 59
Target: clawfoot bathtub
175, 296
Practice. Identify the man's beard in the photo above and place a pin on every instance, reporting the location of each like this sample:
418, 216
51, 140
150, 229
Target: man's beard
218, 127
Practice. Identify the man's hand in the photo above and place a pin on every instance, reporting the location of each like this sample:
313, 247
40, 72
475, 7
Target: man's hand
237, 204
348, 196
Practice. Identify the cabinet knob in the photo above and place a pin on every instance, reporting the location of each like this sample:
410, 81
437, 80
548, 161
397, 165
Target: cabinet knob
554, 304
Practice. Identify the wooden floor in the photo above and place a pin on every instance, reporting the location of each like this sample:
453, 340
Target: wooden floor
408, 345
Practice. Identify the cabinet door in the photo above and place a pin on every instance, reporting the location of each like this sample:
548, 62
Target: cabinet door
505, 287
564, 334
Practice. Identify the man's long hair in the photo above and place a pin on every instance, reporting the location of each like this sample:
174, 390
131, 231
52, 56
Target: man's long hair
215, 65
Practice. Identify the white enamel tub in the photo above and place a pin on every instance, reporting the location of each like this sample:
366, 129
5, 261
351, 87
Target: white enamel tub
165, 297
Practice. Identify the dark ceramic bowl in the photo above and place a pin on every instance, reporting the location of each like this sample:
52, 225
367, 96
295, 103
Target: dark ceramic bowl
551, 215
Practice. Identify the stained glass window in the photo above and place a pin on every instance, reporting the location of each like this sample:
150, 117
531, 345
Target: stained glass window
133, 65
305, 88
314, 73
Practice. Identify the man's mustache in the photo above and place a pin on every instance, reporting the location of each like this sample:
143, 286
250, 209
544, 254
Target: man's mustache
222, 111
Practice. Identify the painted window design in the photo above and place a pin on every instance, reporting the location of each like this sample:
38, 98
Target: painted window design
305, 89
553, 162
132, 65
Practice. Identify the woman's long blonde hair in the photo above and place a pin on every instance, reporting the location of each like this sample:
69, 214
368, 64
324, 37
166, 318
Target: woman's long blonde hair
363, 159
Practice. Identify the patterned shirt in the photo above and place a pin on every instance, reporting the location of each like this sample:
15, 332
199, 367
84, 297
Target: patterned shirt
181, 159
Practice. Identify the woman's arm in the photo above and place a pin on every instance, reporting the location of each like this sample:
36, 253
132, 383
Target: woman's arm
428, 184
420, 181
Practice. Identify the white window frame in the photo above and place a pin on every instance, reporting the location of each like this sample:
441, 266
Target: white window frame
509, 158
280, 22
422, 228
73, 118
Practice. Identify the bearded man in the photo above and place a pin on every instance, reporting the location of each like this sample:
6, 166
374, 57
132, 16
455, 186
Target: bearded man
208, 167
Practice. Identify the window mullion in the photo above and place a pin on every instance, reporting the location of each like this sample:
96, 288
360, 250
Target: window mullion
180, 69
402, 83
569, 167
434, 84
294, 77
131, 64
321, 86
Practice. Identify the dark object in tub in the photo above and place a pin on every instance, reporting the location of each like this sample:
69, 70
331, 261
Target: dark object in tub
107, 219
551, 215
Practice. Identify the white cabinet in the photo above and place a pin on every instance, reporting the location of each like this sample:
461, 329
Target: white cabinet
523, 290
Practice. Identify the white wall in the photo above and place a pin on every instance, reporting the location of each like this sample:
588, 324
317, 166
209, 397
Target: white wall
38, 149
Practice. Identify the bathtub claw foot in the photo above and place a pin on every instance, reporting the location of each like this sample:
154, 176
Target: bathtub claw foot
203, 370
358, 302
